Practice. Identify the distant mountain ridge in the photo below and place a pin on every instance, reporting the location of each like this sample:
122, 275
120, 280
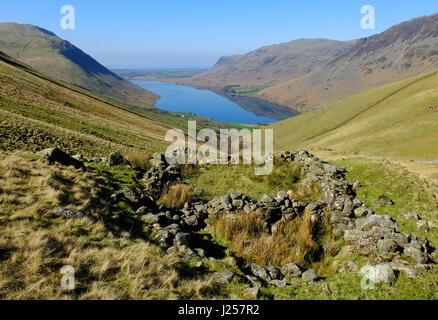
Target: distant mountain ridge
400, 52
45, 52
318, 72
274, 63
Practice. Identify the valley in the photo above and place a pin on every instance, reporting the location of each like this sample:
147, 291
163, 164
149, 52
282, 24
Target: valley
218, 105
349, 210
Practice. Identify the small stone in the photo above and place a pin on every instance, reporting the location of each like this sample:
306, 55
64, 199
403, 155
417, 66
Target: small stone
381, 273
357, 185
254, 281
237, 203
222, 277
411, 272
159, 156
275, 273
351, 236
192, 221
409, 216
252, 292
116, 159
69, 213
292, 270
59, 156
157, 163
416, 254
142, 210
152, 218
130, 195
200, 252
386, 245
278, 283
281, 196
348, 207
360, 212
267, 199
236, 195
423, 226
309, 276
260, 272
182, 239
325, 287
79, 157
382, 201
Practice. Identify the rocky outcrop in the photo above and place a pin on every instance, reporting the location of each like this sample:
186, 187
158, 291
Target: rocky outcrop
158, 178
69, 213
59, 156
364, 232
116, 159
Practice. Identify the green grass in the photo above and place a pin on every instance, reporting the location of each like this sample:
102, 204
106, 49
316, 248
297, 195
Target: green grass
53, 56
248, 91
393, 120
408, 191
120, 234
219, 180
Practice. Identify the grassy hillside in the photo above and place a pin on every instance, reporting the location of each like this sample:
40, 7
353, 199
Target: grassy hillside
410, 192
113, 254
37, 112
397, 120
112, 260
45, 52
403, 51
307, 74
272, 64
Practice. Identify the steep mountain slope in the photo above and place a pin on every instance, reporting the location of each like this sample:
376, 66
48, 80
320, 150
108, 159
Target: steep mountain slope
273, 63
402, 51
45, 52
37, 112
398, 120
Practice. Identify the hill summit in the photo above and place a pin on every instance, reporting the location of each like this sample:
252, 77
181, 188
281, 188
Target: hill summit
45, 52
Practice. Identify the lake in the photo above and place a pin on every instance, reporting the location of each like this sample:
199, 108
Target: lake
187, 99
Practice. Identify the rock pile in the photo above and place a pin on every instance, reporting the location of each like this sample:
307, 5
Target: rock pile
57, 155
364, 232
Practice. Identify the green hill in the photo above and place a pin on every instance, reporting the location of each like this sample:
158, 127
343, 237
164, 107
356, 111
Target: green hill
37, 111
46, 53
398, 120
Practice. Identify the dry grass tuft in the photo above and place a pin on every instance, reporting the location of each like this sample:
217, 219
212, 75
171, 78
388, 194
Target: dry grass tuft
35, 242
138, 158
247, 237
176, 195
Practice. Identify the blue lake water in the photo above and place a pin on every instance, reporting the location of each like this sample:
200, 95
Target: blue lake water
181, 98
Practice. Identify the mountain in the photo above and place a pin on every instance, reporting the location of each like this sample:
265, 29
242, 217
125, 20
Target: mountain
46, 53
402, 51
273, 63
307, 74
37, 112
398, 120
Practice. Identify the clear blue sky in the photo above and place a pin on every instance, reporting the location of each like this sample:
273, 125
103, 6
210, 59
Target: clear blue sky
195, 33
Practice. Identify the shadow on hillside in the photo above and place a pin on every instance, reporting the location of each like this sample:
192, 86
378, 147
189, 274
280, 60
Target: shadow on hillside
205, 241
116, 218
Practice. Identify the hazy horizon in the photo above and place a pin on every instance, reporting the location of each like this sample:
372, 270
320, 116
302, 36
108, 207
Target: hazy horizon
195, 34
